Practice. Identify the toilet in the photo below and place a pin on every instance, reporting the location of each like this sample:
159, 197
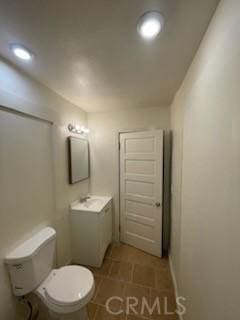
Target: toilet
64, 291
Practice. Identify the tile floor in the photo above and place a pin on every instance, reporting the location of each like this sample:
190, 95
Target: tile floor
129, 273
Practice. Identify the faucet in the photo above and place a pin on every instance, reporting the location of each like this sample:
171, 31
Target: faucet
84, 199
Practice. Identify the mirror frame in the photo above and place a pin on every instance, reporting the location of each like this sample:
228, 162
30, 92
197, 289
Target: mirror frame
70, 160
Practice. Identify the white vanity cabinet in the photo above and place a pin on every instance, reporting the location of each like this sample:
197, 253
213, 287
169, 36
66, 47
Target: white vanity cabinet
91, 230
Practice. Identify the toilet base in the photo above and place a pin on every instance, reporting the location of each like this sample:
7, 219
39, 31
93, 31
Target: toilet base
81, 314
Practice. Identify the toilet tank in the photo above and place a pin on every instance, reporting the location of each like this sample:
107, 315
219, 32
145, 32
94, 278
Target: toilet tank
31, 262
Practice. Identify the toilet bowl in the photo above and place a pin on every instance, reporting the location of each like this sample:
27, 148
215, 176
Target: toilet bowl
64, 291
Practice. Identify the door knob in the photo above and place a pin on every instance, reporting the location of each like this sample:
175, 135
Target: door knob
158, 204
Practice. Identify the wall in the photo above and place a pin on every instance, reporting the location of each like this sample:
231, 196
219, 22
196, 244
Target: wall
176, 189
34, 188
104, 128
206, 115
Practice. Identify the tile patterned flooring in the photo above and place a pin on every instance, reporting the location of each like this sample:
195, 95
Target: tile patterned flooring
129, 272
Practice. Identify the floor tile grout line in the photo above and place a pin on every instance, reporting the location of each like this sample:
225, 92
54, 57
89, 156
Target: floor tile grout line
162, 268
126, 282
95, 314
155, 279
97, 290
131, 282
110, 249
110, 269
133, 266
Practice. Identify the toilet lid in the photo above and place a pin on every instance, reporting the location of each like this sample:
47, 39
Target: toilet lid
69, 285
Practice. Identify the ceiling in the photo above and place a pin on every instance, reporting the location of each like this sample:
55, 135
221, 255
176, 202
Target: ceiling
89, 51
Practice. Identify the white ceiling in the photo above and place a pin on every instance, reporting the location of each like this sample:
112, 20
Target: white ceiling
90, 52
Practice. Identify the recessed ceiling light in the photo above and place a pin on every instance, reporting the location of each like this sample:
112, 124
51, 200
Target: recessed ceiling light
150, 24
21, 52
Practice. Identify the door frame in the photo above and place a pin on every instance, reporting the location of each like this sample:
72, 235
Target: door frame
116, 219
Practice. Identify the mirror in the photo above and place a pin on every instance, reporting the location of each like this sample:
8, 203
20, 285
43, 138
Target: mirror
78, 159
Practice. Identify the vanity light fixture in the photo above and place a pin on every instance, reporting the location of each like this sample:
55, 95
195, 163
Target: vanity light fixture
150, 24
21, 52
77, 129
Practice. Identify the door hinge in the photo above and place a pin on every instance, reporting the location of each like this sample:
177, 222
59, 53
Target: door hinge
119, 228
119, 145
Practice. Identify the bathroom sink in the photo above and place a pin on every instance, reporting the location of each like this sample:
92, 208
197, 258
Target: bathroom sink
92, 204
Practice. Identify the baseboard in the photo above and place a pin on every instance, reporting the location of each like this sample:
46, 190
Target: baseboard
176, 291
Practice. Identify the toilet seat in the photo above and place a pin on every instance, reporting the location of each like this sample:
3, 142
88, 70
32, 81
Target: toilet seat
67, 289
71, 285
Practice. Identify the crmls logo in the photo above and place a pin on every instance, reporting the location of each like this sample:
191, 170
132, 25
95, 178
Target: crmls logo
133, 305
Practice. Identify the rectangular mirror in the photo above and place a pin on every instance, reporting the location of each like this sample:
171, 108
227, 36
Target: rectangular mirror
78, 159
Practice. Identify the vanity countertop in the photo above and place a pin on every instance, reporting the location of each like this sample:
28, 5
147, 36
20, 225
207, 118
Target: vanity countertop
93, 204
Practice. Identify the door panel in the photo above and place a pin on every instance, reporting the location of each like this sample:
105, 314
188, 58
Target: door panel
141, 163
141, 209
140, 229
140, 167
139, 145
139, 187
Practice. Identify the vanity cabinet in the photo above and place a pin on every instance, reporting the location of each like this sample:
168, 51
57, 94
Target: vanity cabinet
91, 231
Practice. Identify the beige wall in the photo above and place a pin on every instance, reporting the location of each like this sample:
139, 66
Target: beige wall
34, 188
207, 111
104, 128
176, 194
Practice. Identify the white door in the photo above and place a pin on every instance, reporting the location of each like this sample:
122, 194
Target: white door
141, 176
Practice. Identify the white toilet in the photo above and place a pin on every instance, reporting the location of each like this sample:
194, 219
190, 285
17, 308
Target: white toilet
65, 291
